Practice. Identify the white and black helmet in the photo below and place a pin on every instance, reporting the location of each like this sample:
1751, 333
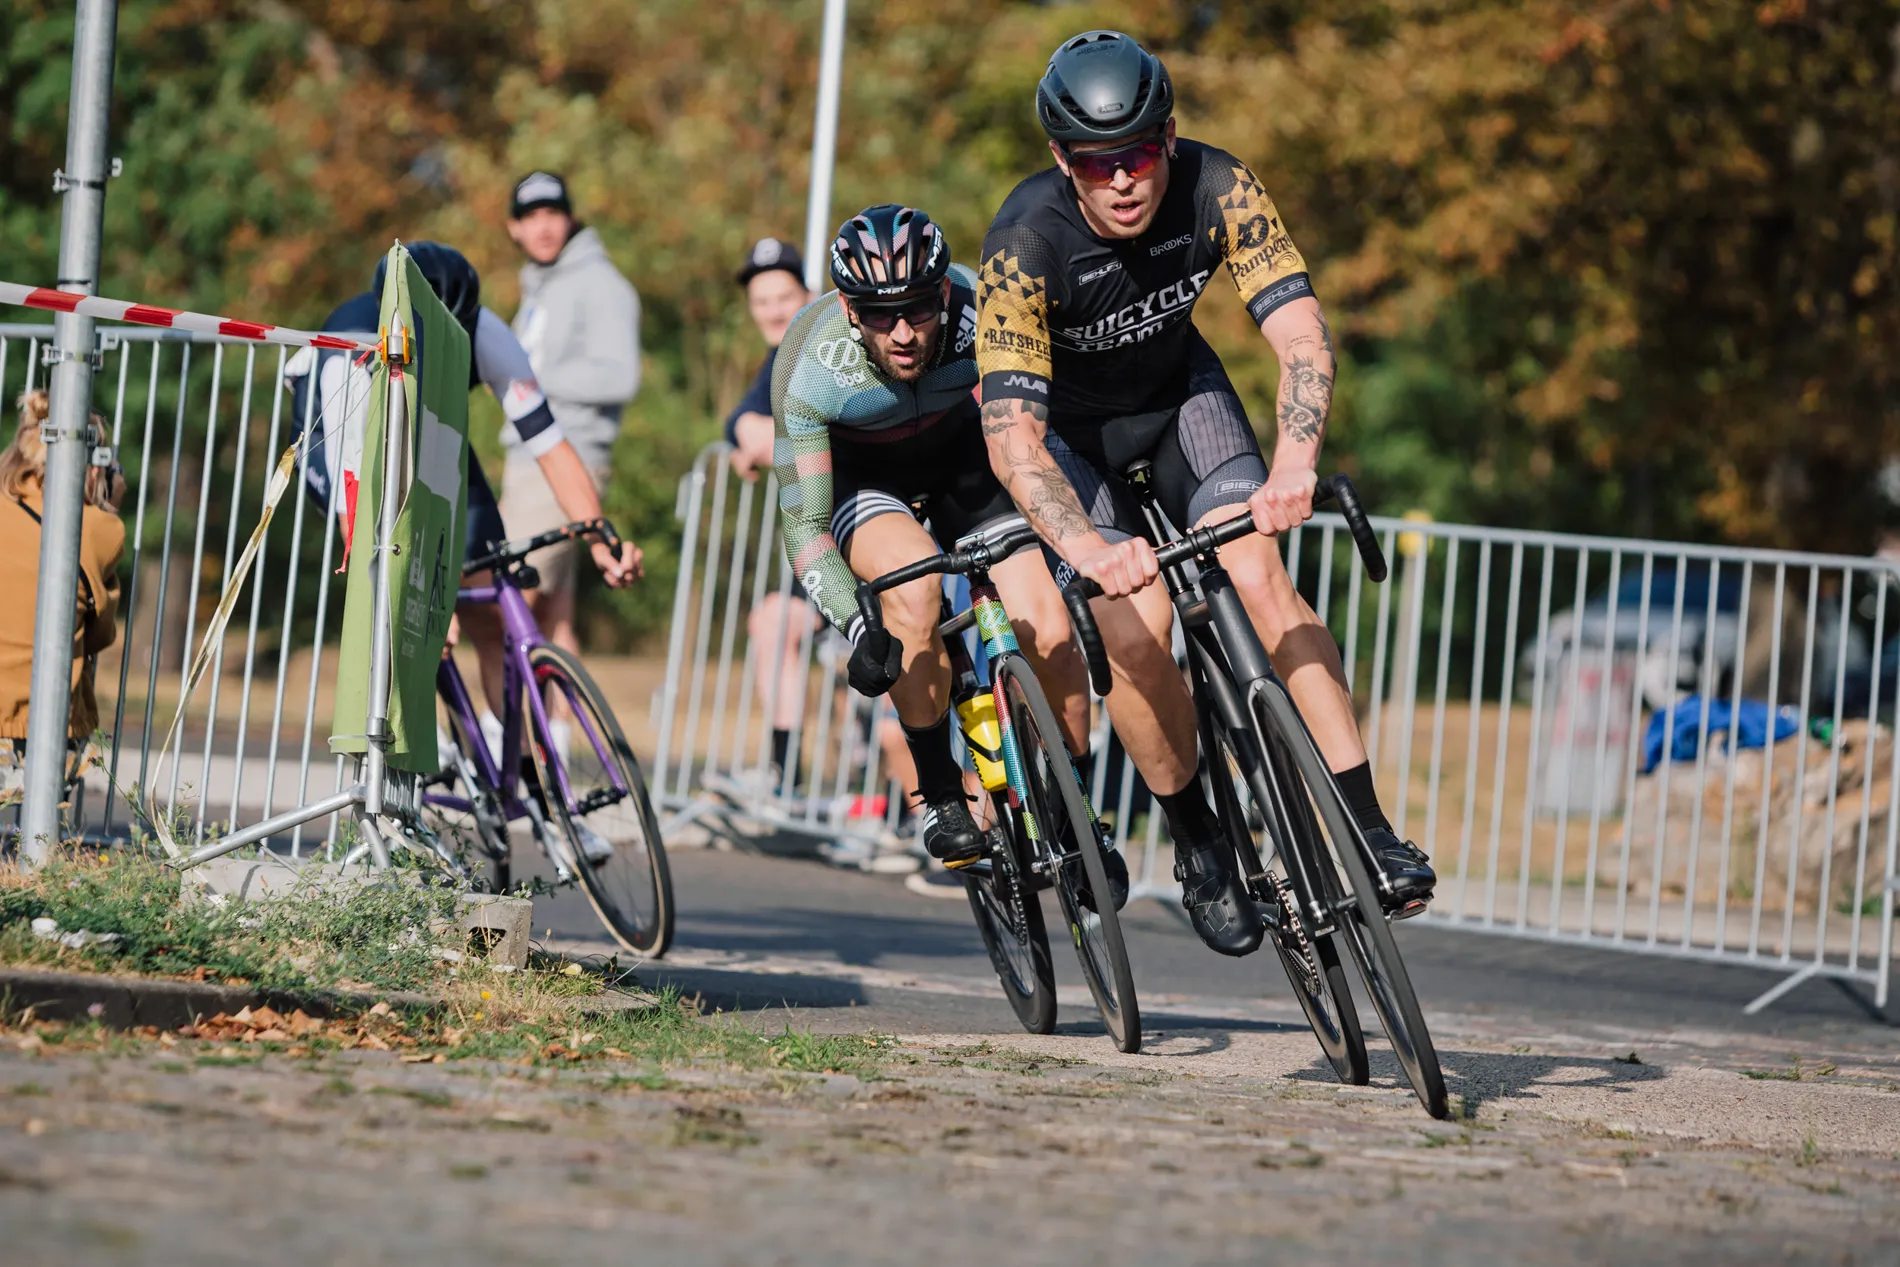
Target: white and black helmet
887, 251
1103, 86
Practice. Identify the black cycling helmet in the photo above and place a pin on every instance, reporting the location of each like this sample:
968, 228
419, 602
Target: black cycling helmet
1102, 86
907, 250
450, 275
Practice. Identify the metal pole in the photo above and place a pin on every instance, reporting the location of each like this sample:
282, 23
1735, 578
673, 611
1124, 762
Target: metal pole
824, 147
81, 217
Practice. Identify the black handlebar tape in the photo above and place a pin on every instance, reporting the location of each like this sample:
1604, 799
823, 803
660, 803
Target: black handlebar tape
869, 607
1088, 634
608, 537
1340, 489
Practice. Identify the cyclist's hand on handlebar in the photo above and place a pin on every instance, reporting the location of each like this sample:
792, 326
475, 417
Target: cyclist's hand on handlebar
619, 570
1120, 568
877, 661
1285, 501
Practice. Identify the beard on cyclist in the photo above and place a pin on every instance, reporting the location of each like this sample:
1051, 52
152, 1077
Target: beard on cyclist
901, 336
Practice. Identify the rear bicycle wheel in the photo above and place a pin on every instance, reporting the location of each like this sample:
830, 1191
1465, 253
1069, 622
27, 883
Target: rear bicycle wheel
1063, 829
1009, 916
1365, 929
463, 811
597, 800
1311, 963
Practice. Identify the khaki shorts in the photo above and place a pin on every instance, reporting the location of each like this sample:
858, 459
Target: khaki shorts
528, 508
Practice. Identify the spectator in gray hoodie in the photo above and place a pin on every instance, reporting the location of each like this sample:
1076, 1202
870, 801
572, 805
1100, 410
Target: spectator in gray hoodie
580, 323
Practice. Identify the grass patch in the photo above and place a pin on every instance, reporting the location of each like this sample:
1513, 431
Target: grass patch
121, 910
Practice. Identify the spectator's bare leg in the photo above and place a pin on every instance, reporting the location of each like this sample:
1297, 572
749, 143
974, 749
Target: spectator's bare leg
481, 625
775, 630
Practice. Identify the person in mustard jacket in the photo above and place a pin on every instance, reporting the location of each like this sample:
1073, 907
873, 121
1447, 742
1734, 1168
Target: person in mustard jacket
102, 545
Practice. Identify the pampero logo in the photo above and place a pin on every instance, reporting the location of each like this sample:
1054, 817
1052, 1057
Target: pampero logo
1096, 274
1172, 244
1027, 383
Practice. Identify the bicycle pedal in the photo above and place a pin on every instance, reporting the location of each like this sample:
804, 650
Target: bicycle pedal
1414, 907
961, 863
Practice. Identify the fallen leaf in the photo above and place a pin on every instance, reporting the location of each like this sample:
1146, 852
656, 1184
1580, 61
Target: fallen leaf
381, 1009
416, 1058
572, 970
243, 1017
301, 1023
265, 1018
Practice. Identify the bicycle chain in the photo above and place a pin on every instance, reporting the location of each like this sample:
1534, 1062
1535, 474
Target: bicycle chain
1290, 922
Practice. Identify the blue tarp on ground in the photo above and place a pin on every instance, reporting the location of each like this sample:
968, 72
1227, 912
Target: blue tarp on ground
1683, 723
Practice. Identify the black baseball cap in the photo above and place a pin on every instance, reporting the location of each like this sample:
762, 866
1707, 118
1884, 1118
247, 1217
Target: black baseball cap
770, 253
538, 189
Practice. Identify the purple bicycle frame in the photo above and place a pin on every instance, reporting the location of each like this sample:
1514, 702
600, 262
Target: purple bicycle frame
520, 636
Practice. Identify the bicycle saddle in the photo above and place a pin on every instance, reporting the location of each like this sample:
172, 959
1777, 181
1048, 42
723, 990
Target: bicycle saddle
1138, 469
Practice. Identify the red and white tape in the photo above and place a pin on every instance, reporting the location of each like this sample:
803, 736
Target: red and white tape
170, 318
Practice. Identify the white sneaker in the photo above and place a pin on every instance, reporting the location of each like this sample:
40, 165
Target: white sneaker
594, 847
491, 734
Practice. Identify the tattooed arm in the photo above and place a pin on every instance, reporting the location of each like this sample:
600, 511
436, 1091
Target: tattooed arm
1014, 431
1300, 339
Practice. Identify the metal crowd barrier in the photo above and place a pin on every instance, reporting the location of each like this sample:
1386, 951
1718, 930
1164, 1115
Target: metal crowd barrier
1505, 682
198, 422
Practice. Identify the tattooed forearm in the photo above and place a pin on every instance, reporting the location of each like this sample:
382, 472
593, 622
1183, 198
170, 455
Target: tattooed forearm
1306, 396
1029, 474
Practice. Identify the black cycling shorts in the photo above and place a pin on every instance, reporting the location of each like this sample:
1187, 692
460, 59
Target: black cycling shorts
946, 468
1204, 452
484, 513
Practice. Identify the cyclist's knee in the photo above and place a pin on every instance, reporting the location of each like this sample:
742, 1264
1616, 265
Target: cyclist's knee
912, 612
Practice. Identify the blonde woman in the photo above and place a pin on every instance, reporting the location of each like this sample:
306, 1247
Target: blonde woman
101, 546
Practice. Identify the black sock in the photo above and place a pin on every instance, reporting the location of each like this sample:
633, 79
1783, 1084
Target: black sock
782, 753
1361, 798
938, 774
1189, 818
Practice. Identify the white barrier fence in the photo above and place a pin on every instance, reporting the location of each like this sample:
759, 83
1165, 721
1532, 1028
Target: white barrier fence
198, 422
1507, 682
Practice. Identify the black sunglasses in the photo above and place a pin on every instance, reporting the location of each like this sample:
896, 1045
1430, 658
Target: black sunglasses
883, 318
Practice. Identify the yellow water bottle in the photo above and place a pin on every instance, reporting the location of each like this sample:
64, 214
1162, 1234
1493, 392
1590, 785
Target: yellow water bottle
977, 716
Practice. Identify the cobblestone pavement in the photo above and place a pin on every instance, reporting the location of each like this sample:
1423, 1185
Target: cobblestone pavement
1212, 1146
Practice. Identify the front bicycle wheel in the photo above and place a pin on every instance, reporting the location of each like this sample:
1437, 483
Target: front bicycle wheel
1362, 919
1060, 824
597, 800
1009, 916
1311, 963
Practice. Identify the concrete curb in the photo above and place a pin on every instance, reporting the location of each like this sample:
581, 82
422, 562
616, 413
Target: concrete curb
126, 1002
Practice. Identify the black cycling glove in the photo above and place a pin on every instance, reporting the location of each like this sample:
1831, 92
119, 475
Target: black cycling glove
876, 662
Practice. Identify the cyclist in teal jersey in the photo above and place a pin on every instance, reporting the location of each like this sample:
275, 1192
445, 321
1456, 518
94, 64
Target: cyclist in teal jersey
874, 410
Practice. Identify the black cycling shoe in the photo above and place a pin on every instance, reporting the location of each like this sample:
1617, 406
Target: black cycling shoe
1408, 874
951, 836
1117, 868
1216, 902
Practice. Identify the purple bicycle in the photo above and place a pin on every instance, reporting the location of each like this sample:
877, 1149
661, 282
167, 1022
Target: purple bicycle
582, 792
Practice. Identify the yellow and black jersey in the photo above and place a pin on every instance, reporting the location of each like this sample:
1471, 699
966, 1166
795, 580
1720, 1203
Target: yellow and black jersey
1097, 329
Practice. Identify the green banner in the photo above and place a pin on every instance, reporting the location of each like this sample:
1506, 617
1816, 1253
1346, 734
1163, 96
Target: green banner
430, 368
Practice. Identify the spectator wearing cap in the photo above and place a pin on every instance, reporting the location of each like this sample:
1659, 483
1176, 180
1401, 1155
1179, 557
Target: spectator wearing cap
774, 279
580, 324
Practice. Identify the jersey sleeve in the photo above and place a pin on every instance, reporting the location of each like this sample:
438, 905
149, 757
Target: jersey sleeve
1012, 318
1267, 268
503, 364
801, 456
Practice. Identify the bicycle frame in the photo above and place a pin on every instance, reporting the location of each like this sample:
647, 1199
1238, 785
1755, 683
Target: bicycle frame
520, 637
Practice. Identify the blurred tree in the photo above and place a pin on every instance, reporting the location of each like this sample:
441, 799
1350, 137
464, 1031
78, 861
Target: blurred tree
1615, 266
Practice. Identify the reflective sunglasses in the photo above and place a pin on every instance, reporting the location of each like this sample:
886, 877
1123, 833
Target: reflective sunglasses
1137, 160
883, 318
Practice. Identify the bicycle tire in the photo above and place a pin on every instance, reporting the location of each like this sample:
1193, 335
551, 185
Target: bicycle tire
1363, 925
1023, 963
480, 835
1056, 804
1319, 981
631, 889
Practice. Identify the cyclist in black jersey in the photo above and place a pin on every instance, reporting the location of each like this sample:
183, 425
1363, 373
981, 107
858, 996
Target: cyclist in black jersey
1090, 360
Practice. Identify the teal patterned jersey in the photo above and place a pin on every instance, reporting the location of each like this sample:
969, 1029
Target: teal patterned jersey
823, 382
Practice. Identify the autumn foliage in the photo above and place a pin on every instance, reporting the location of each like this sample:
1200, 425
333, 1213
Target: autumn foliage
1623, 267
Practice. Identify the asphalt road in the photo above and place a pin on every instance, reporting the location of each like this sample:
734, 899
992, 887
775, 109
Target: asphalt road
844, 949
